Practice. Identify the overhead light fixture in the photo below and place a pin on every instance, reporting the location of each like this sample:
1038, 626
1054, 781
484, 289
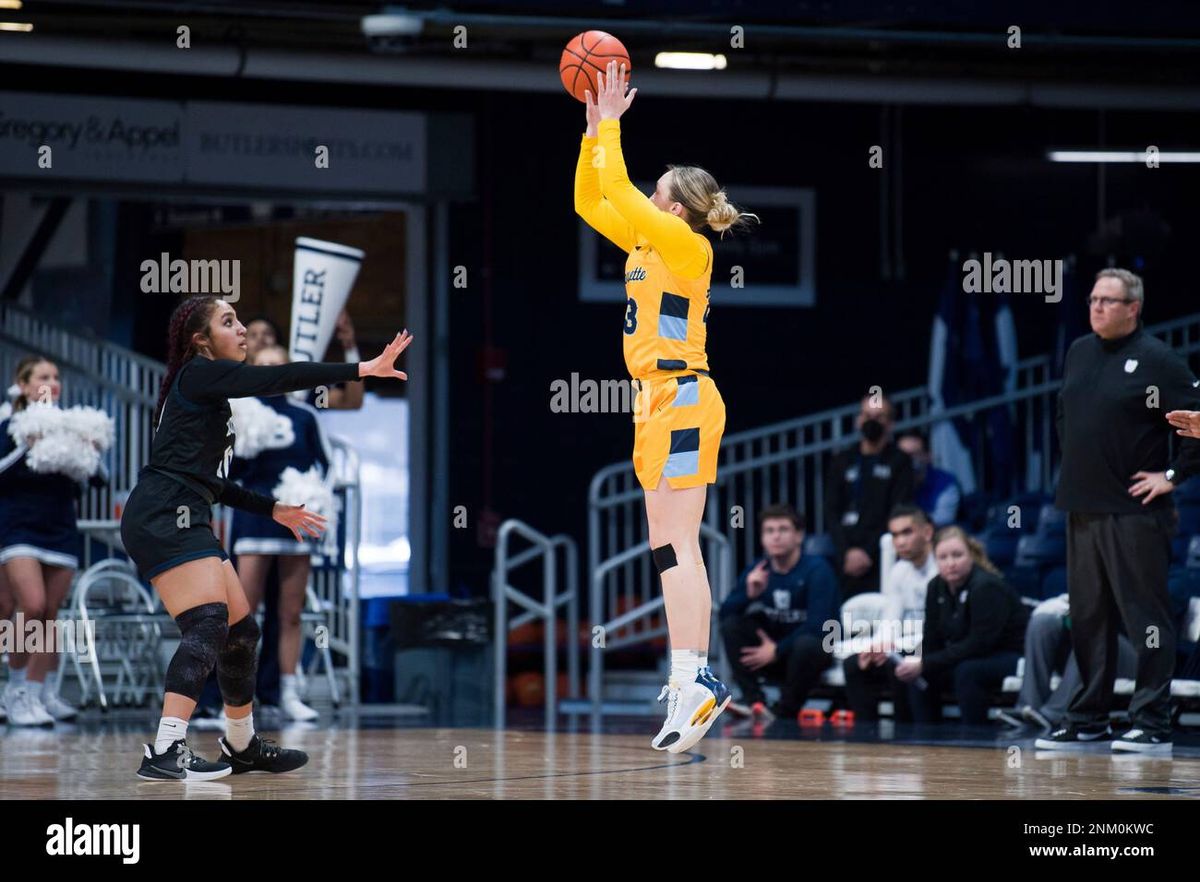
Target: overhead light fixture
392, 24
690, 60
1137, 156
17, 26
11, 4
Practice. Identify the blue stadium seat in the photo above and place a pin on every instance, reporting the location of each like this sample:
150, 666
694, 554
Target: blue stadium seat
1188, 492
1189, 518
1032, 505
1041, 550
1001, 545
820, 545
1051, 521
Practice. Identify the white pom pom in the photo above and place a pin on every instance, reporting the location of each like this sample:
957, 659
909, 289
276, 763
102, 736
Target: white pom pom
64, 453
66, 442
91, 424
258, 428
35, 421
305, 488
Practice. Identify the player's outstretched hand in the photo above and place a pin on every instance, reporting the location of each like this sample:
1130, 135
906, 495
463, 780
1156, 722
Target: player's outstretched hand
299, 519
611, 87
1186, 422
384, 364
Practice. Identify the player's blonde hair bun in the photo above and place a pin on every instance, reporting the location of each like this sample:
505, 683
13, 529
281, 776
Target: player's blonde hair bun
722, 215
706, 203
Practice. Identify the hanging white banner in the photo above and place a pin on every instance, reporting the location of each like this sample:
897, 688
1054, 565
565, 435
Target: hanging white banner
322, 278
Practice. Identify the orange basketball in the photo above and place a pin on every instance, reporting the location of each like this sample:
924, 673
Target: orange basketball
586, 55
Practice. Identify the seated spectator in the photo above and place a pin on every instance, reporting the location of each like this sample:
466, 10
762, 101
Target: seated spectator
935, 491
974, 632
865, 482
1048, 649
772, 623
904, 598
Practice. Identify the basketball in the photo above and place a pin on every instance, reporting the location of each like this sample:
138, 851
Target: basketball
586, 55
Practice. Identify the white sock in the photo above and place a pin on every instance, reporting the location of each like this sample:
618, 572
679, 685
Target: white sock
686, 664
239, 733
287, 683
16, 677
170, 730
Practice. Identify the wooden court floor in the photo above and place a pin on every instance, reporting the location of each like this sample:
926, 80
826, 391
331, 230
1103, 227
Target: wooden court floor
438, 763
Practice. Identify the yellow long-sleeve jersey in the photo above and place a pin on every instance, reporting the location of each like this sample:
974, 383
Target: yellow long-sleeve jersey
669, 270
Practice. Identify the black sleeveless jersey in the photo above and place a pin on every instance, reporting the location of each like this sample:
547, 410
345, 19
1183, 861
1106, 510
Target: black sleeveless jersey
194, 440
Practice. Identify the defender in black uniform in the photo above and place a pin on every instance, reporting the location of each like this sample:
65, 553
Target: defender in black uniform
166, 529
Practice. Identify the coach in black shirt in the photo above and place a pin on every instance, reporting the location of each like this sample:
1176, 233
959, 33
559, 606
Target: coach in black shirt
1115, 483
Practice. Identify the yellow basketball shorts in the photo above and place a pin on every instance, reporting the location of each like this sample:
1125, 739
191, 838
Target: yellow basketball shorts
678, 423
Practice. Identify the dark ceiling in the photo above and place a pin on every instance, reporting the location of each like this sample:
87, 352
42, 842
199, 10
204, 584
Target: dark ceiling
1151, 43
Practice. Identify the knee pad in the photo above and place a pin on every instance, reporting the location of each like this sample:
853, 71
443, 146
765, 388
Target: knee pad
237, 662
664, 557
204, 629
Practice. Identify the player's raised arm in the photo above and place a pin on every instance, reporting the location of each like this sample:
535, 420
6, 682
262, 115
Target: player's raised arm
590, 203
682, 248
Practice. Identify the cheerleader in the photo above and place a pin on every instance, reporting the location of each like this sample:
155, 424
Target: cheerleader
258, 541
166, 527
39, 545
680, 415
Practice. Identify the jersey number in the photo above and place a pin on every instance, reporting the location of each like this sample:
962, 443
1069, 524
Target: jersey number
630, 316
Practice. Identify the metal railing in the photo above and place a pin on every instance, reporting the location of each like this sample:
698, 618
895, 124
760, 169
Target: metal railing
623, 624
335, 585
788, 461
545, 610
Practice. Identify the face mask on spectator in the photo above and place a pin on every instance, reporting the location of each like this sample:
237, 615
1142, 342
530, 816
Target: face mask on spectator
872, 430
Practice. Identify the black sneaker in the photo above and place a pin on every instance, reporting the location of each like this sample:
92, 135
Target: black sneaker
262, 755
178, 763
1141, 741
1070, 737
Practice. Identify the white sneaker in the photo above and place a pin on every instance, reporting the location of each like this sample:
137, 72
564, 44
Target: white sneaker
25, 710
295, 709
691, 710
56, 707
43, 715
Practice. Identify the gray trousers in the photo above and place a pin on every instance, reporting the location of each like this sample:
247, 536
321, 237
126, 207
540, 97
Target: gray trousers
1048, 649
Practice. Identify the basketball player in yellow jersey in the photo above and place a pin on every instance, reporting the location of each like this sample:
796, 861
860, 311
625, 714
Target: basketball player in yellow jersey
679, 415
